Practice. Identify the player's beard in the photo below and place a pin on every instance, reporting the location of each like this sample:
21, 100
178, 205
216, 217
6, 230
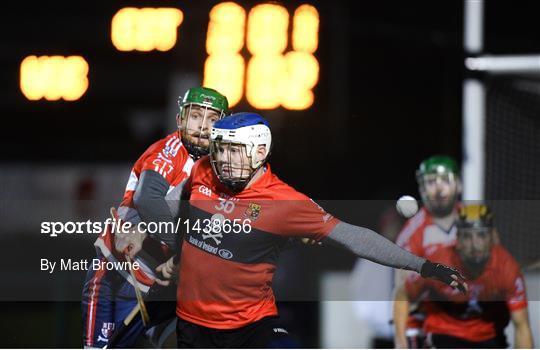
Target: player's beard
195, 144
474, 265
199, 139
440, 207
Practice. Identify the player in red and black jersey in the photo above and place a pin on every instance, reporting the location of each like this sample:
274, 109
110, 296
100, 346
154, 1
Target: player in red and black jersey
241, 214
152, 195
496, 290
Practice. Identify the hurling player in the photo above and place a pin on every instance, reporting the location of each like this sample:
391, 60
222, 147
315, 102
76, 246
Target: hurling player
152, 194
496, 292
439, 185
241, 214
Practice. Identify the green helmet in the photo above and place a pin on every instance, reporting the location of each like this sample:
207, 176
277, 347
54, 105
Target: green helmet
437, 165
204, 97
439, 202
196, 139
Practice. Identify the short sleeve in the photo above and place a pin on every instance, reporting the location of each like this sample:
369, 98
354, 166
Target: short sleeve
410, 236
413, 242
516, 297
303, 217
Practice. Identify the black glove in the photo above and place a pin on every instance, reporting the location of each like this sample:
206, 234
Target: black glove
445, 274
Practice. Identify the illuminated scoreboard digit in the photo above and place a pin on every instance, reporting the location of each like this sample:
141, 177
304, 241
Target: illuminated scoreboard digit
266, 41
268, 79
224, 68
54, 77
302, 66
145, 29
273, 78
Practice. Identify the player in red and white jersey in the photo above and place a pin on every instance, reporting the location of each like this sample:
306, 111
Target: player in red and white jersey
496, 290
241, 215
439, 186
152, 195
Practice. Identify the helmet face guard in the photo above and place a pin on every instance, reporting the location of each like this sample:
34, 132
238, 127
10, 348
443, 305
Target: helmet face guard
439, 192
475, 234
233, 163
199, 108
439, 185
474, 245
240, 146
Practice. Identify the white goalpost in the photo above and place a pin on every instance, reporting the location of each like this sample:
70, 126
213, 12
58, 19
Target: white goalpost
474, 125
474, 95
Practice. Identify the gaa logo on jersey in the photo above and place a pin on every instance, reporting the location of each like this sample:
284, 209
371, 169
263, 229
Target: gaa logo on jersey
107, 329
253, 211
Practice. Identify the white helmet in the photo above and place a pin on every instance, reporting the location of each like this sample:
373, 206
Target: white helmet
248, 130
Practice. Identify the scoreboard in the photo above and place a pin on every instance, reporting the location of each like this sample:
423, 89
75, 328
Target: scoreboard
246, 54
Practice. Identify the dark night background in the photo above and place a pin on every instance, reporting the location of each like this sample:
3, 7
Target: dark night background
389, 95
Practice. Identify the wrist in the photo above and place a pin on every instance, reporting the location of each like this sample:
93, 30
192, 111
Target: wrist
427, 269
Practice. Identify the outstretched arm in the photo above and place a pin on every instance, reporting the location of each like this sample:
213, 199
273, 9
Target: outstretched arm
370, 245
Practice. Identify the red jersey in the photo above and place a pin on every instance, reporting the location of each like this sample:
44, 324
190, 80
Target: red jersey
484, 311
169, 158
226, 275
421, 235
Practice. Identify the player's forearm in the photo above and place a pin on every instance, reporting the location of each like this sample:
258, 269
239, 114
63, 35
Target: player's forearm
370, 245
523, 336
400, 315
149, 200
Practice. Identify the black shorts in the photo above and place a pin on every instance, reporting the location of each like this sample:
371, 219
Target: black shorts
449, 342
268, 332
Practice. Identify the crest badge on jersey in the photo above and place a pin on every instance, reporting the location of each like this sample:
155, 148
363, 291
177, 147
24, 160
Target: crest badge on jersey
169, 152
253, 211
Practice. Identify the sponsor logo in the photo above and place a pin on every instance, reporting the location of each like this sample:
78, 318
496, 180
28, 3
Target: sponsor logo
162, 165
280, 330
474, 309
207, 100
214, 229
203, 245
215, 236
227, 197
225, 254
326, 217
253, 211
100, 338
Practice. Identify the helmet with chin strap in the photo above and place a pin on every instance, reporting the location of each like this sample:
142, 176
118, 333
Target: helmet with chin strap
204, 98
434, 169
244, 133
473, 216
